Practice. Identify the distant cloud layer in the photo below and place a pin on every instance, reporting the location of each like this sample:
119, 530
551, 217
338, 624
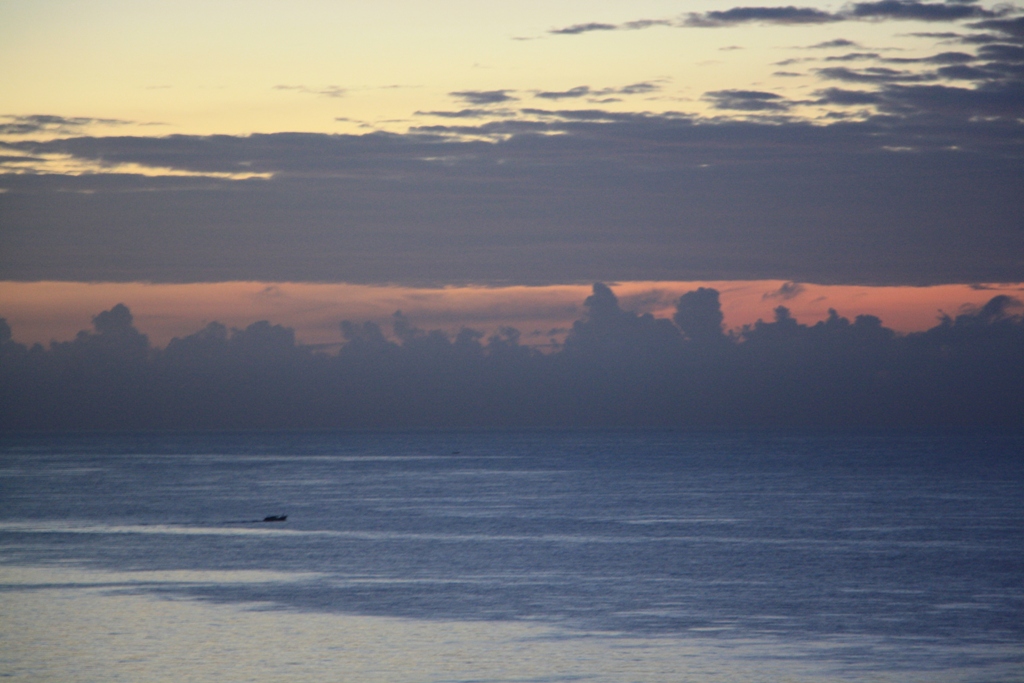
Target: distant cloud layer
616, 368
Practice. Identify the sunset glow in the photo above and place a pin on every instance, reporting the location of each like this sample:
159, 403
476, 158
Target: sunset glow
45, 311
559, 177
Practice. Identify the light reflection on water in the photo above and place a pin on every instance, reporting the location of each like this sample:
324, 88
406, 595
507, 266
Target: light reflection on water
617, 558
79, 626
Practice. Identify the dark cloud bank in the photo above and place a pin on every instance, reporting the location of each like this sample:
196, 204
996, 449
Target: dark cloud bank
568, 196
615, 368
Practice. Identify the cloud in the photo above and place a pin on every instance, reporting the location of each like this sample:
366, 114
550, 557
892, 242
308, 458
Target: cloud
699, 317
641, 88
950, 58
48, 123
918, 11
989, 99
848, 98
1009, 28
590, 27
617, 367
644, 23
853, 56
996, 71
480, 97
829, 44
995, 67
768, 15
1003, 53
792, 15
997, 309
577, 29
460, 114
549, 195
875, 74
966, 73
578, 91
939, 35
787, 291
326, 91
746, 100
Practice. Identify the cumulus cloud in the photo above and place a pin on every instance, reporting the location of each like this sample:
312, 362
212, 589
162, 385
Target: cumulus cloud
998, 308
699, 317
617, 367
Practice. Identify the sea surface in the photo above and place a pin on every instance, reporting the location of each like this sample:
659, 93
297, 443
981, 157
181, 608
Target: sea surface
429, 557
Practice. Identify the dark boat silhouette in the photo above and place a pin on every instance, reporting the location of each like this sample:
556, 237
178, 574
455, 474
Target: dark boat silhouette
275, 518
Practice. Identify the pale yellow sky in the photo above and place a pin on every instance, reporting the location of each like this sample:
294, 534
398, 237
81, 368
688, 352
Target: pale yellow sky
216, 66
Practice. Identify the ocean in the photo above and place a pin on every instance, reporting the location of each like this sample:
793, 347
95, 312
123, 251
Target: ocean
621, 556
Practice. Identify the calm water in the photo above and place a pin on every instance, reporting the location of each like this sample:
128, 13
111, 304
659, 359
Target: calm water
513, 556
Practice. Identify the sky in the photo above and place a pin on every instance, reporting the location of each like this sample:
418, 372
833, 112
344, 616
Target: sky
42, 311
483, 163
